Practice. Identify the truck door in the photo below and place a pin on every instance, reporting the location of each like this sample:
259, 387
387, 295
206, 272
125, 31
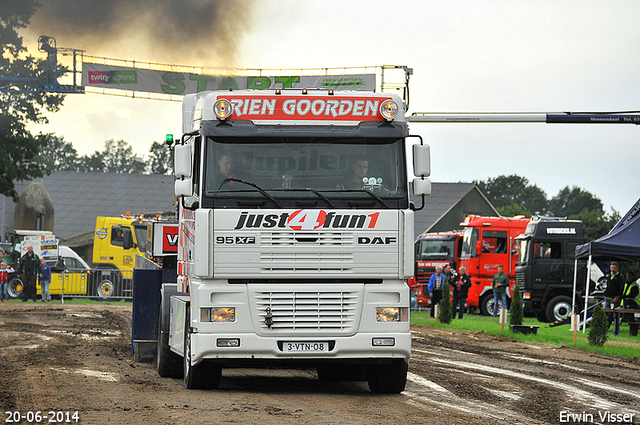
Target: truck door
548, 263
495, 251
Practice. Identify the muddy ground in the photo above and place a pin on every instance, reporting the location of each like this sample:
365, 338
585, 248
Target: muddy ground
72, 358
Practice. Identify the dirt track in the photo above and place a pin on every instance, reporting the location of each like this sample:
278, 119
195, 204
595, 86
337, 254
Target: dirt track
67, 358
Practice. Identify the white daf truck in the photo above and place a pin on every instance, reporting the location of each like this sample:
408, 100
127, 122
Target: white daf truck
295, 237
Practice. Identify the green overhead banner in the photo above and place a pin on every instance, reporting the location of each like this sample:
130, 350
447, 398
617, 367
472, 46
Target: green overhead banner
181, 83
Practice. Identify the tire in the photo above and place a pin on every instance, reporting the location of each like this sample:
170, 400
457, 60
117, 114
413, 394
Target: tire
486, 304
541, 316
15, 287
388, 378
168, 363
105, 289
205, 375
559, 308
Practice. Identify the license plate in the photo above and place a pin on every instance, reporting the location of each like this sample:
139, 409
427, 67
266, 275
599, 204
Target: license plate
306, 347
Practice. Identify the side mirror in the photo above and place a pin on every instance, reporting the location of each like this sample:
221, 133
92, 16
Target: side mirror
182, 161
422, 187
421, 160
183, 188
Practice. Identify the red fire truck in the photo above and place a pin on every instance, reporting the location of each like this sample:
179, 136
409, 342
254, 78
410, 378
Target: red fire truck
432, 250
488, 242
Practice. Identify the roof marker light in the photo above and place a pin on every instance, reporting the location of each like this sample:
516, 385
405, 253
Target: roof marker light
222, 108
278, 91
389, 110
304, 91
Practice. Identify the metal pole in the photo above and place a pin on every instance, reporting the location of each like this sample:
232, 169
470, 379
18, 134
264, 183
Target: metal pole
586, 295
573, 302
525, 117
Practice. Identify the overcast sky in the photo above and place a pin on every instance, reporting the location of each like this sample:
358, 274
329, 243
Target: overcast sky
467, 56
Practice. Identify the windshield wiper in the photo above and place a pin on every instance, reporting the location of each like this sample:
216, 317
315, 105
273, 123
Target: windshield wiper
261, 190
308, 189
368, 192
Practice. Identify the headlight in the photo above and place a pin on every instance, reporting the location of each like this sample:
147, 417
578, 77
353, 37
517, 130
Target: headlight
218, 314
392, 314
389, 110
222, 108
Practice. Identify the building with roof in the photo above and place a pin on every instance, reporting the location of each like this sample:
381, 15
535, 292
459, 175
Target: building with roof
448, 205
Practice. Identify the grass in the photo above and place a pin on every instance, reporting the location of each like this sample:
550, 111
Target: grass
622, 346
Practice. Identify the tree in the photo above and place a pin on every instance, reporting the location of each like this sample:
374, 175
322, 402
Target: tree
118, 157
55, 154
599, 327
20, 105
516, 312
504, 191
573, 201
513, 210
160, 159
444, 307
597, 223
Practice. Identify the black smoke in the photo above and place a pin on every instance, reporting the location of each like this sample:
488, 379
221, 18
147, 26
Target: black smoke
198, 32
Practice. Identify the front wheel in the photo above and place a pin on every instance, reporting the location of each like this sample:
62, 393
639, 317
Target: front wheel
388, 378
559, 308
487, 304
15, 287
204, 375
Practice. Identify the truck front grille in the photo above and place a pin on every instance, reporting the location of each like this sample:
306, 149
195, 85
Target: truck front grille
332, 312
306, 239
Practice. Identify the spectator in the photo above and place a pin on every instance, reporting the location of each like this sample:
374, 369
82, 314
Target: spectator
435, 288
4, 281
45, 280
614, 289
500, 285
461, 284
630, 293
29, 270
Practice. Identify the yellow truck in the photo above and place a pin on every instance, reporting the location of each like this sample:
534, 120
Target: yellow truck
116, 242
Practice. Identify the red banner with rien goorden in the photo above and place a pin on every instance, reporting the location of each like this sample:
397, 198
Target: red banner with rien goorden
304, 108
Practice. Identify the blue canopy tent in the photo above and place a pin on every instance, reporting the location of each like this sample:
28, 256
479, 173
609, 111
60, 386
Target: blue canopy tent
621, 243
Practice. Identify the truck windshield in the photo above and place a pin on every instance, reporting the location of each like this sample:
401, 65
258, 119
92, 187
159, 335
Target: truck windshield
437, 250
469, 241
325, 172
141, 237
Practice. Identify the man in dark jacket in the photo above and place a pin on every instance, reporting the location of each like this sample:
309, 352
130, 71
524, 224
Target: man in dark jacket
461, 284
614, 286
615, 281
29, 270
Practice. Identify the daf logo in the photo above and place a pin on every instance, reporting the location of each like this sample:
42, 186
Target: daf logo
377, 240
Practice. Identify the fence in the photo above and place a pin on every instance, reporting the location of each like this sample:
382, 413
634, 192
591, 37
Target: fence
93, 283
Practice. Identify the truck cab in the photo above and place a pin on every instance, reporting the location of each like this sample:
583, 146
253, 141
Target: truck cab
433, 250
116, 242
545, 268
487, 243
